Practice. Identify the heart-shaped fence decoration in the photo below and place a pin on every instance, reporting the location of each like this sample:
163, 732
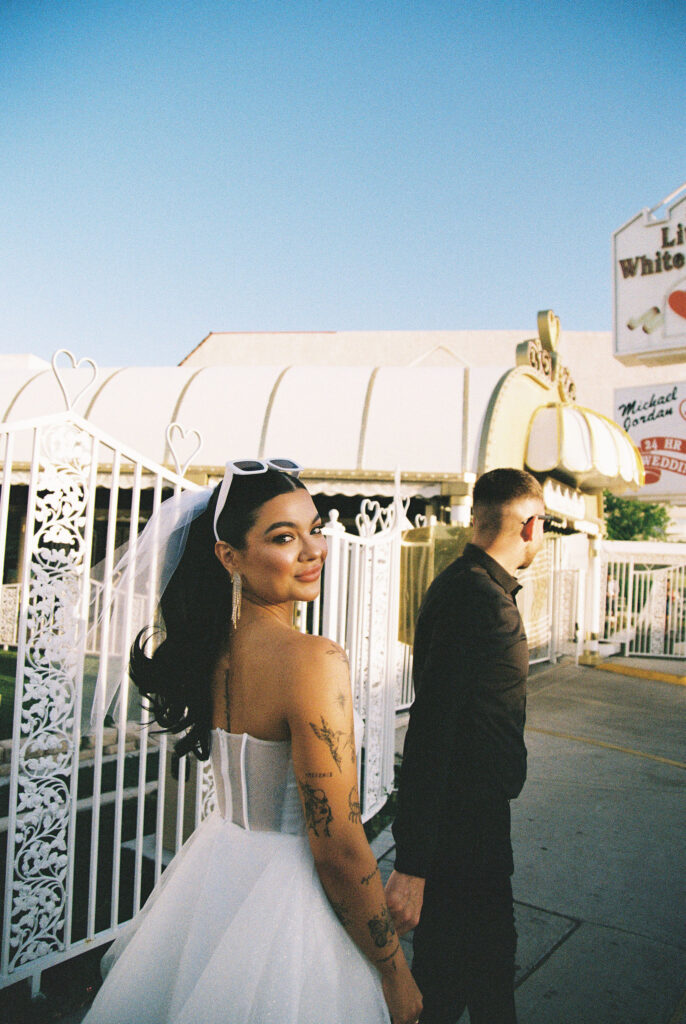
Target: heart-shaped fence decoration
368, 517
677, 302
86, 361
184, 438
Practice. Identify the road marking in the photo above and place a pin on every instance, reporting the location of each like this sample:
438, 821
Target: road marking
643, 673
608, 746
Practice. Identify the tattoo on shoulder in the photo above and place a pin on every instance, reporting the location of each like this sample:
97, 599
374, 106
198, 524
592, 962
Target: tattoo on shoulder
318, 814
339, 653
367, 878
354, 814
381, 928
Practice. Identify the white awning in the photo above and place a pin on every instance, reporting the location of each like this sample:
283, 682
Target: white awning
584, 447
352, 427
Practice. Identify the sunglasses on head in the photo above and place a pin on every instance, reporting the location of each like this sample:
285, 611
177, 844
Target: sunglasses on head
249, 467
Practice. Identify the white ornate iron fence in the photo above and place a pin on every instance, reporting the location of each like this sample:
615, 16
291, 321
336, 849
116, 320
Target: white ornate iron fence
69, 799
90, 818
553, 599
643, 597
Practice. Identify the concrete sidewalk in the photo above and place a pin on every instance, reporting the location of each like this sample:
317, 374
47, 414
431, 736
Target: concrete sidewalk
600, 847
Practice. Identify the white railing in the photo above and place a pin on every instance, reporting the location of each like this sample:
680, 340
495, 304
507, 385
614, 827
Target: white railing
94, 816
643, 598
73, 798
358, 608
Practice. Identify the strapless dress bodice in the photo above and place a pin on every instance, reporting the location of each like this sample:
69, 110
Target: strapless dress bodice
254, 781
255, 784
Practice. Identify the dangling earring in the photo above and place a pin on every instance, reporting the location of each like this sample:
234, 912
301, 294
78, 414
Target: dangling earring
236, 592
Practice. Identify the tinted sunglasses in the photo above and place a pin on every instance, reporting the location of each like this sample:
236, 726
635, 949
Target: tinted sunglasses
546, 519
250, 467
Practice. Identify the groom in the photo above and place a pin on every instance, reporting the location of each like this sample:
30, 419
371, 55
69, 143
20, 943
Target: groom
464, 760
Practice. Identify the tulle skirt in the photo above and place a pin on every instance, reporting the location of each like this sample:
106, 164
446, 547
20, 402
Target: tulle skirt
238, 931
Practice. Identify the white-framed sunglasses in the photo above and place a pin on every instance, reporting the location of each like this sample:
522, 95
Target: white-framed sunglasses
250, 467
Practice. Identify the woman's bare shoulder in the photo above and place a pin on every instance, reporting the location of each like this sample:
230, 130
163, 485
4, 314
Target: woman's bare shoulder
315, 662
306, 650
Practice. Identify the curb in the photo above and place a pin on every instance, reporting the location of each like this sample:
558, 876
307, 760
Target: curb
642, 673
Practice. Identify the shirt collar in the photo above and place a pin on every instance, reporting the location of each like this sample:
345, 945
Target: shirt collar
494, 569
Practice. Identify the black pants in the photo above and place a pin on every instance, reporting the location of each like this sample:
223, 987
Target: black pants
464, 950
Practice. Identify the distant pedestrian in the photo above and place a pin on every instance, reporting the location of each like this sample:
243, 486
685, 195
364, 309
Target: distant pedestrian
464, 760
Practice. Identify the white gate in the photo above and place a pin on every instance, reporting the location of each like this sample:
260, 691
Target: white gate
89, 820
643, 597
70, 800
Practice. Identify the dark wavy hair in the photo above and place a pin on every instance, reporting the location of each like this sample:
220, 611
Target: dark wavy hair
176, 680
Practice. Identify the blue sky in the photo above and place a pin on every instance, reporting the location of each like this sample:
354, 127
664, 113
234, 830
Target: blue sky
172, 168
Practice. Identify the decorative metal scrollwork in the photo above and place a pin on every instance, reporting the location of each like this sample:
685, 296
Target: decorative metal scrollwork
421, 520
86, 361
176, 434
566, 384
208, 795
374, 517
53, 644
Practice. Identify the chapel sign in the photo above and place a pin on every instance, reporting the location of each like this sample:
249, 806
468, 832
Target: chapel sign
649, 273
655, 419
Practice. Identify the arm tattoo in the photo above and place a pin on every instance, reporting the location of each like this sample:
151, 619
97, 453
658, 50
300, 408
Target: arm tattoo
318, 813
354, 814
350, 743
385, 959
341, 699
341, 912
381, 928
367, 878
332, 739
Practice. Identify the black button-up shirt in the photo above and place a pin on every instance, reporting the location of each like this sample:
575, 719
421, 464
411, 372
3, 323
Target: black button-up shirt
464, 755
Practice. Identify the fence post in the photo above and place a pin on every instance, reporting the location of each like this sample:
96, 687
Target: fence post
45, 735
331, 597
592, 625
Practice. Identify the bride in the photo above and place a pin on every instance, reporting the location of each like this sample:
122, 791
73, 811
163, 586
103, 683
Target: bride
273, 912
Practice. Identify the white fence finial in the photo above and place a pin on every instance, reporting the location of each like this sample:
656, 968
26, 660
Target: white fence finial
184, 435
71, 402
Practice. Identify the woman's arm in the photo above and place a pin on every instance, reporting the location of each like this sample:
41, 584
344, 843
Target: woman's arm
320, 717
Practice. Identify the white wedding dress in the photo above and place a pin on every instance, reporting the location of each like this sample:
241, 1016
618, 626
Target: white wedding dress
239, 930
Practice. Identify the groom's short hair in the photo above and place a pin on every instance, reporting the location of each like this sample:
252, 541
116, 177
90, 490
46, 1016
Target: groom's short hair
495, 490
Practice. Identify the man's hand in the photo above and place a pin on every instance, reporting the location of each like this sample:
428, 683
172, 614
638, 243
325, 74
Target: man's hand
404, 896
